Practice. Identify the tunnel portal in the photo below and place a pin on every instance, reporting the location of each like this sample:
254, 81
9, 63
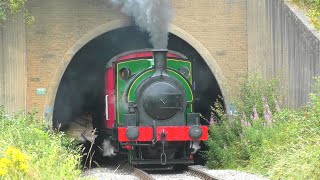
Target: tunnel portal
79, 101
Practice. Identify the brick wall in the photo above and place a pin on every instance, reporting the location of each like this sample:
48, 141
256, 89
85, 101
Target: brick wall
59, 24
219, 25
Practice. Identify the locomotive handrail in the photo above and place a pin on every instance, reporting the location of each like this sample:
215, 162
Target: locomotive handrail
107, 108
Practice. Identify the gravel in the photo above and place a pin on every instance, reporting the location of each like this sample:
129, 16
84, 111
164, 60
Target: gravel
230, 174
116, 173
110, 173
174, 176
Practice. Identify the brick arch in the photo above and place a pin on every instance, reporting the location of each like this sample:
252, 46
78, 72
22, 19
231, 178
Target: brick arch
55, 80
207, 57
115, 24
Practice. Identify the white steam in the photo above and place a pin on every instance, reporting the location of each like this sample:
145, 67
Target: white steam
195, 146
107, 148
152, 16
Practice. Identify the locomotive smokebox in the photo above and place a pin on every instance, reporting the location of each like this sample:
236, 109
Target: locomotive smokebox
160, 61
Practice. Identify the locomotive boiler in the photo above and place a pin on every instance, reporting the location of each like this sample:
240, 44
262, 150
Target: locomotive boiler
149, 113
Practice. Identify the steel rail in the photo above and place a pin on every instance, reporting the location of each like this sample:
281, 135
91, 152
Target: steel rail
201, 174
138, 173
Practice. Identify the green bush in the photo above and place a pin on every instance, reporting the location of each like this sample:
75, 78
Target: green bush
252, 89
29, 151
224, 136
227, 148
285, 147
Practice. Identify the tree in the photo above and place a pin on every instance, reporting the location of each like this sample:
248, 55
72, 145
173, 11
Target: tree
11, 7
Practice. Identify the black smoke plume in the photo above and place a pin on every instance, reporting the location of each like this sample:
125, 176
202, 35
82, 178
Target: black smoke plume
153, 16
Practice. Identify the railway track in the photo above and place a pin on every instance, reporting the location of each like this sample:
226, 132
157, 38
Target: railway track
201, 174
140, 174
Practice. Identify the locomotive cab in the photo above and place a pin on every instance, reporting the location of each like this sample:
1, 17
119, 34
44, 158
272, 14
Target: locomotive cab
149, 107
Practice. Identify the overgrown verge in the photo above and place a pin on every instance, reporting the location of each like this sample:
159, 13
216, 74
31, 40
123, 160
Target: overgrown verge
313, 10
264, 139
29, 151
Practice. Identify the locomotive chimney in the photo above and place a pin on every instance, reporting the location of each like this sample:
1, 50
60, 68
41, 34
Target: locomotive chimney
160, 61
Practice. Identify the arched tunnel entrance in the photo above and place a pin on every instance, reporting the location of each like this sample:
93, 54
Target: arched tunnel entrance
80, 96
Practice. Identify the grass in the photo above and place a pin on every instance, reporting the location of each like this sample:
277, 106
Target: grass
29, 151
277, 143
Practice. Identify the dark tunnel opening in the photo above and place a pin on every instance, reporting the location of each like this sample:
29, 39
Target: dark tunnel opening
81, 88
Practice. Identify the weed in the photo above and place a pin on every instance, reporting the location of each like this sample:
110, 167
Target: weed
29, 151
278, 143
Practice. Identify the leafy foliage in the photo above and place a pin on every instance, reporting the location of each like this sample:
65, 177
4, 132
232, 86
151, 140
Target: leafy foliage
29, 151
251, 92
10, 7
282, 144
313, 9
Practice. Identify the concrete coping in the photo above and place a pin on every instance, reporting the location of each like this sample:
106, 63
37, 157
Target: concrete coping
303, 18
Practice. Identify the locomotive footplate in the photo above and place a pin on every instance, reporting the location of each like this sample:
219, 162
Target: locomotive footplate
173, 133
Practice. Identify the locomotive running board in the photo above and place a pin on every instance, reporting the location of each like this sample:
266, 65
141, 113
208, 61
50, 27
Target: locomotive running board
156, 161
